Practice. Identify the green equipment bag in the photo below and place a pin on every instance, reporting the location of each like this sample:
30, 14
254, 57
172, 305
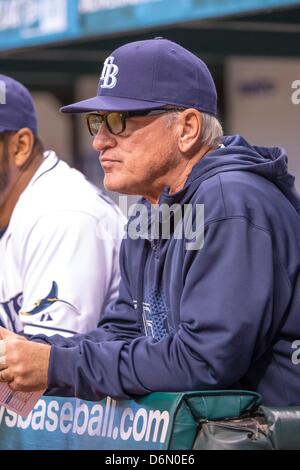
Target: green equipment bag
267, 429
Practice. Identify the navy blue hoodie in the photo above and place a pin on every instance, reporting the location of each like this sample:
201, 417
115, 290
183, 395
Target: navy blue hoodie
224, 316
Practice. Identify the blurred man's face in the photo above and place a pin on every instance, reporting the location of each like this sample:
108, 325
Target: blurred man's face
18, 163
4, 167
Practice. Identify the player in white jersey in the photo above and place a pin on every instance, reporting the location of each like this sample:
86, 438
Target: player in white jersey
59, 235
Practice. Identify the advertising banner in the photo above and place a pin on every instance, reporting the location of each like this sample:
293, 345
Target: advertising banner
33, 22
158, 421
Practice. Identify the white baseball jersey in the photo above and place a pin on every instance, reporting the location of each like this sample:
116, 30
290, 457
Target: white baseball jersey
59, 260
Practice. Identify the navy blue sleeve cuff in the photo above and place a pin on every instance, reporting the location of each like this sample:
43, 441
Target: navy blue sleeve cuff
61, 372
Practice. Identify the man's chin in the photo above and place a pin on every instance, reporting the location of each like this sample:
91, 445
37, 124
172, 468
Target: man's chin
122, 184
112, 184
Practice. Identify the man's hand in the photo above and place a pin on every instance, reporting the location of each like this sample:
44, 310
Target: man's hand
6, 334
24, 364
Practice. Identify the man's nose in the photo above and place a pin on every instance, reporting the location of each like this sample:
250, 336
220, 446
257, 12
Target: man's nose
104, 139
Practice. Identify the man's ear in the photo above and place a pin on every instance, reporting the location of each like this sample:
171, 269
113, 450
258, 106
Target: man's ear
21, 145
189, 137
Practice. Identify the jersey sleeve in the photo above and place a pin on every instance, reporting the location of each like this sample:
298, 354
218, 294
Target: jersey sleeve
69, 271
118, 322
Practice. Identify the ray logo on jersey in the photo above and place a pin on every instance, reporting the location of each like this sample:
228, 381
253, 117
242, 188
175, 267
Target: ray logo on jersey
10, 310
46, 302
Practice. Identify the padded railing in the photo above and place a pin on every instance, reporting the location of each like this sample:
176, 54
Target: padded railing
191, 420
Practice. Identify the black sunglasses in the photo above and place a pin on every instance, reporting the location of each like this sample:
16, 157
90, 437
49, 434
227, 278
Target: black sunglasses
116, 121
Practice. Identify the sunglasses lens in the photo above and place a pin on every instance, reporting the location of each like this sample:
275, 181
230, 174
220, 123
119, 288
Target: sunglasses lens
115, 122
94, 122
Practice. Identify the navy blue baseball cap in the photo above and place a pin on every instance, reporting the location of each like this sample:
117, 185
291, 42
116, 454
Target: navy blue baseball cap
16, 106
151, 74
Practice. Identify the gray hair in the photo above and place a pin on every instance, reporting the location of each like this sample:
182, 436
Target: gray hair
211, 129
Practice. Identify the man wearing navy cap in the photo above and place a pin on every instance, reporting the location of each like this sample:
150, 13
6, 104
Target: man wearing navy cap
46, 209
190, 315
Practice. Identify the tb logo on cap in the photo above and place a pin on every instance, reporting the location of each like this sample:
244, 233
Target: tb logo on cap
109, 72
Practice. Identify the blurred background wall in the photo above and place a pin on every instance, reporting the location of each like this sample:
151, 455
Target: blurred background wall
252, 48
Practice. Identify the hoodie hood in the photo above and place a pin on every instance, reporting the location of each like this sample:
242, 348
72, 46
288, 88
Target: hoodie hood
236, 154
